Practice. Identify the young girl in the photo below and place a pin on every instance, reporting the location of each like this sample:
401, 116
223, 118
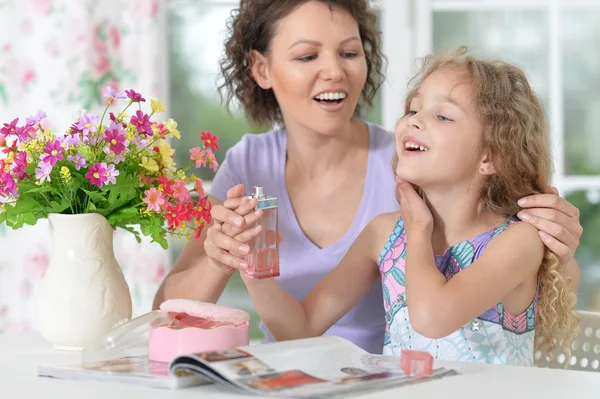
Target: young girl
462, 277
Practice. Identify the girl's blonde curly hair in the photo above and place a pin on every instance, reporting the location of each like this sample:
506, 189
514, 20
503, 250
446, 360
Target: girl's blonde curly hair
516, 137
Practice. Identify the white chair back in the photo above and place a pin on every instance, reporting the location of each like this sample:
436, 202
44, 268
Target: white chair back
585, 347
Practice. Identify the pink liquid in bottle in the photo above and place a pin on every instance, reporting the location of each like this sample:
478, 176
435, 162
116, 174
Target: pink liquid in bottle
263, 263
263, 258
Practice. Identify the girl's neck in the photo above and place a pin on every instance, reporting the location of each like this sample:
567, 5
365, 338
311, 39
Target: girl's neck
311, 153
455, 216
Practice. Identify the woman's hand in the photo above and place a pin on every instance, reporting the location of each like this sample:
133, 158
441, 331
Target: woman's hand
557, 221
415, 213
231, 229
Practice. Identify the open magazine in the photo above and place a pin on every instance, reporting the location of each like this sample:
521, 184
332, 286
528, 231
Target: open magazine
325, 366
306, 368
129, 369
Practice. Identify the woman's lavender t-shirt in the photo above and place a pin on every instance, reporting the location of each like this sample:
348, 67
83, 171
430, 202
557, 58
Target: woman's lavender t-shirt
259, 160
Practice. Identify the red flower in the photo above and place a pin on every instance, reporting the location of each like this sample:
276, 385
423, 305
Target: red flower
166, 184
176, 215
210, 141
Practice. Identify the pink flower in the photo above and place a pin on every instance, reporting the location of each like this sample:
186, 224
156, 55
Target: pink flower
42, 172
200, 188
8, 186
12, 129
19, 165
43, 6
180, 191
134, 96
102, 66
196, 155
36, 263
87, 123
154, 198
115, 36
113, 95
141, 121
97, 174
110, 174
115, 137
211, 160
54, 152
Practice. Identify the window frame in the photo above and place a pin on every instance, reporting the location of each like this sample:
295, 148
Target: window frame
413, 18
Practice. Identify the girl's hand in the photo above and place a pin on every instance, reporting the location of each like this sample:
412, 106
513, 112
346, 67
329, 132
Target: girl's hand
557, 221
415, 213
226, 238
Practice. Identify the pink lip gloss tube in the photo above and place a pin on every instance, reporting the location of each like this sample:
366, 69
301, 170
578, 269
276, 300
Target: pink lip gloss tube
263, 258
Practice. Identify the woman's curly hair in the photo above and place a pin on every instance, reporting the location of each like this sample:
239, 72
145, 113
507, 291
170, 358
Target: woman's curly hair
251, 27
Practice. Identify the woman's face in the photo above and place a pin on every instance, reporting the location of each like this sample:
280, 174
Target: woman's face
315, 66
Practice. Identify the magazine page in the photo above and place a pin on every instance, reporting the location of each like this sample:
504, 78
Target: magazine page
132, 369
314, 367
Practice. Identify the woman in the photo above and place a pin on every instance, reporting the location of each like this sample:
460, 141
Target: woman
304, 65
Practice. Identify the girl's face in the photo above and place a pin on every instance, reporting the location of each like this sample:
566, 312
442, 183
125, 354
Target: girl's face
316, 67
439, 141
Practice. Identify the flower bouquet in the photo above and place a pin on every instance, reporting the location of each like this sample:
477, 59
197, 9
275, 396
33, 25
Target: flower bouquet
104, 172
118, 166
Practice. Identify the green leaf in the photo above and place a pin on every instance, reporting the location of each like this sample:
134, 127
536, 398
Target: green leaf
23, 205
43, 189
91, 206
122, 214
124, 188
95, 196
133, 231
155, 230
58, 207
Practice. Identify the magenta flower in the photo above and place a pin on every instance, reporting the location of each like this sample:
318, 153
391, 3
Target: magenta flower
142, 123
54, 152
110, 173
87, 123
78, 160
43, 171
8, 186
97, 174
135, 96
12, 128
113, 95
115, 137
35, 119
19, 165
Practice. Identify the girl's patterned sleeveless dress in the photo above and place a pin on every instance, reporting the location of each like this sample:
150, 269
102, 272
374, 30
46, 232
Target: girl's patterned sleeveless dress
496, 336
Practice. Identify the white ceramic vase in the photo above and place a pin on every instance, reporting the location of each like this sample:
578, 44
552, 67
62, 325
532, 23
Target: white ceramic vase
83, 293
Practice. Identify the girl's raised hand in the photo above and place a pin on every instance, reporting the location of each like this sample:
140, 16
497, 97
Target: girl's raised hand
415, 213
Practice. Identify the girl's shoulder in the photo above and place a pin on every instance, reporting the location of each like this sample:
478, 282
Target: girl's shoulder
383, 226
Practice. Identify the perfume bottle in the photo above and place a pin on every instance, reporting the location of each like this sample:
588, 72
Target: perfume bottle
263, 258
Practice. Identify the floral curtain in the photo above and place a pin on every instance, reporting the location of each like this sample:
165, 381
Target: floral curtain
58, 56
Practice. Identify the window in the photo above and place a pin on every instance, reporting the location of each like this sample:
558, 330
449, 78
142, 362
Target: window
557, 42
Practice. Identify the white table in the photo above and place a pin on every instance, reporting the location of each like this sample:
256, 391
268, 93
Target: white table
20, 354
